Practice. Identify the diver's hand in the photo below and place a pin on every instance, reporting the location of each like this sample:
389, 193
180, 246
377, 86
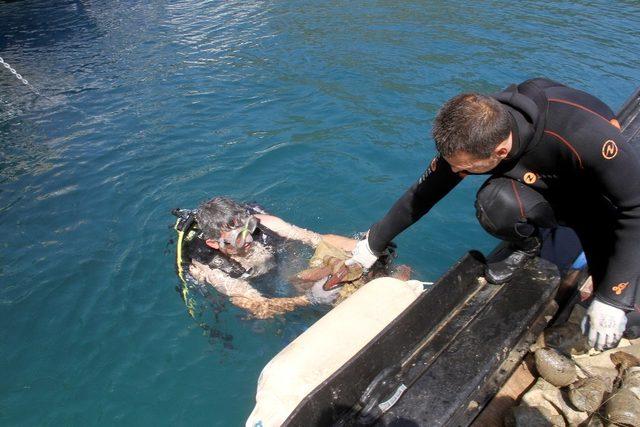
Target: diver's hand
198, 271
363, 255
604, 325
317, 295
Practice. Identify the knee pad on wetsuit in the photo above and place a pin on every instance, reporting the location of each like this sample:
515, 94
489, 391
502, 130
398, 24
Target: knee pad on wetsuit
509, 210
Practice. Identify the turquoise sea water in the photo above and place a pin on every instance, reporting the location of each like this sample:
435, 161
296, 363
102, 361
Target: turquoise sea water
320, 111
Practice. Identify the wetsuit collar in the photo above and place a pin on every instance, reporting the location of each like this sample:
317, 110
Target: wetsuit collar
521, 134
518, 101
526, 117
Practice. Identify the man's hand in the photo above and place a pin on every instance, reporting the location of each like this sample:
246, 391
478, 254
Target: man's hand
363, 255
198, 271
604, 325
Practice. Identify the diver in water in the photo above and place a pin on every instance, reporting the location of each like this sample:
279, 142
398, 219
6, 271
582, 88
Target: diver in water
556, 156
236, 244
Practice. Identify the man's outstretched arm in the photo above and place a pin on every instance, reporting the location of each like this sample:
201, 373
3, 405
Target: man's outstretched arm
311, 238
433, 185
243, 295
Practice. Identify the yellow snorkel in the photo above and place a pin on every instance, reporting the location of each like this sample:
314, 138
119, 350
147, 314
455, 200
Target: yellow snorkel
183, 226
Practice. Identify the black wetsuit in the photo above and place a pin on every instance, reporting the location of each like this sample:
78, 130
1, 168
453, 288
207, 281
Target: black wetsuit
568, 164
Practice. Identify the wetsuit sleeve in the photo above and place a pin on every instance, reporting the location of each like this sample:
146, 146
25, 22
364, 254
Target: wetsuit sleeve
432, 186
612, 162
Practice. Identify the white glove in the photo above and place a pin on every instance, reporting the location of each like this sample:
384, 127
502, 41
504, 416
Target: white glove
363, 255
604, 324
317, 294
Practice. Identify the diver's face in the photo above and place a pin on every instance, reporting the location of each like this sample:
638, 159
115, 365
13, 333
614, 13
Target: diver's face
254, 256
238, 238
461, 161
227, 248
465, 162
240, 247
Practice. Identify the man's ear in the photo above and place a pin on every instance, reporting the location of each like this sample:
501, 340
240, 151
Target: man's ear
502, 150
212, 243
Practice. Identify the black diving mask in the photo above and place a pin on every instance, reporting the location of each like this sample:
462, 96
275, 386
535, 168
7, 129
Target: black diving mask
240, 236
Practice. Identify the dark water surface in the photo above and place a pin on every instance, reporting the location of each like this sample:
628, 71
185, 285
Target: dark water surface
320, 111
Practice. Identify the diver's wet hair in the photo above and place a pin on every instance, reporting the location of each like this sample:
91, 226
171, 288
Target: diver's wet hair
219, 214
472, 123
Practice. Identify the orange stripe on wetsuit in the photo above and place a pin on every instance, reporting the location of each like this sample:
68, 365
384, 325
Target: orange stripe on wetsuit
613, 122
568, 144
515, 191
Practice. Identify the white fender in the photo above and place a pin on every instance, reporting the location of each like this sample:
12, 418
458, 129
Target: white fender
327, 345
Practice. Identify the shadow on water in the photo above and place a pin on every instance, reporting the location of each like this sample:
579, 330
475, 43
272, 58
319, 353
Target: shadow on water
207, 315
212, 313
37, 27
28, 42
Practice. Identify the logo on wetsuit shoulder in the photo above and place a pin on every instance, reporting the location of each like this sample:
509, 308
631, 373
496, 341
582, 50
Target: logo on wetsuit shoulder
620, 287
609, 149
530, 178
432, 168
433, 165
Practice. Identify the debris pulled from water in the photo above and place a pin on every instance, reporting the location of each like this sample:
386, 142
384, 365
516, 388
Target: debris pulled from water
587, 394
533, 416
579, 386
566, 338
555, 368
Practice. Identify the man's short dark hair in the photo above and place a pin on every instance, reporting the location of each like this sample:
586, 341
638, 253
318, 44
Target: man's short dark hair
472, 123
219, 214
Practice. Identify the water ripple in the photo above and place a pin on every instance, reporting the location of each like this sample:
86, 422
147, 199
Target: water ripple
319, 111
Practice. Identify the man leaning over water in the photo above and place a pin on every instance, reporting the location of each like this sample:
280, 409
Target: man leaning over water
555, 155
